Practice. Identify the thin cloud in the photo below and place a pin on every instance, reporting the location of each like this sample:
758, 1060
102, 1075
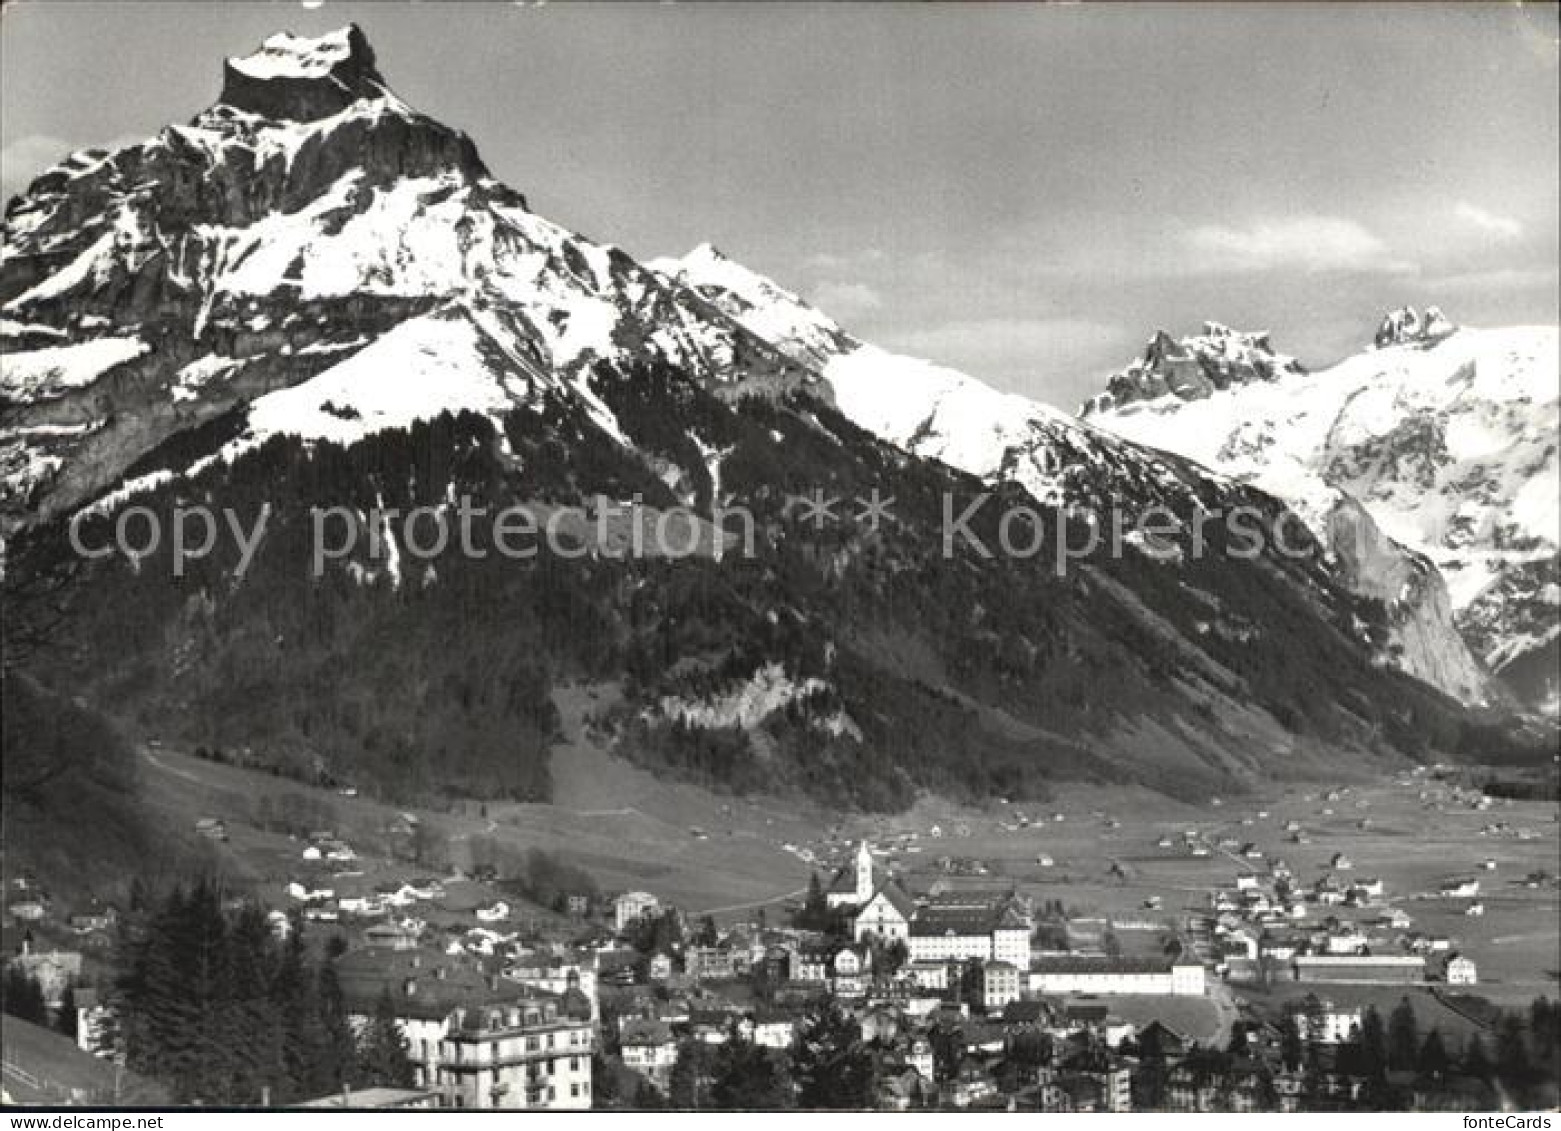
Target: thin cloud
838, 261
846, 300
1313, 244
1009, 345
1497, 279
1503, 227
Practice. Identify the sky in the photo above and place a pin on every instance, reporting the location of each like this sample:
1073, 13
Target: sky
1024, 192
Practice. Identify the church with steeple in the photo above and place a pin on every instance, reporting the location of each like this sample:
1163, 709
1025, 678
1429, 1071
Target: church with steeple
853, 884
882, 907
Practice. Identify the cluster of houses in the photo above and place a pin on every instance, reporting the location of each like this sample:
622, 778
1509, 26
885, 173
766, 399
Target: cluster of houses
493, 1020
1031, 1054
960, 1000
335, 898
1270, 927
955, 970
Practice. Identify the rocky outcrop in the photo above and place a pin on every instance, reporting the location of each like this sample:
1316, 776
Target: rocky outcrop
1194, 367
1405, 326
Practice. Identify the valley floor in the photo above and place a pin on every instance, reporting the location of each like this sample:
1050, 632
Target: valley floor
1103, 849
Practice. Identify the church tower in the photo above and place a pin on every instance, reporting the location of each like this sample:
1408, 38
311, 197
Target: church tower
864, 874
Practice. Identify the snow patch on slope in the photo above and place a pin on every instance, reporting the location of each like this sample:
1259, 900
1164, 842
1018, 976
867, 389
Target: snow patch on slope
419, 369
46, 372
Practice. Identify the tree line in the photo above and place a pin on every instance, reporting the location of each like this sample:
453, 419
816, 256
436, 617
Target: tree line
209, 1001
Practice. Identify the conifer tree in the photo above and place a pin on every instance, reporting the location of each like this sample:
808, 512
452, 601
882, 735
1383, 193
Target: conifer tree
1476, 1059
831, 1065
338, 1044
22, 997
1373, 1045
303, 1035
384, 1056
748, 1076
1403, 1037
65, 1020
1433, 1061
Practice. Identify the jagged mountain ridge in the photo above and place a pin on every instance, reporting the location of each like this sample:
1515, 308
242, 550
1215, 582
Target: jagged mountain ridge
343, 308
1445, 437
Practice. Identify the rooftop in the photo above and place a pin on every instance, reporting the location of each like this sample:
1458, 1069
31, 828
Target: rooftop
1099, 964
379, 1098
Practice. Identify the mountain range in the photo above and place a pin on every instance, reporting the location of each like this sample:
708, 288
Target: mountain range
313, 296
1446, 437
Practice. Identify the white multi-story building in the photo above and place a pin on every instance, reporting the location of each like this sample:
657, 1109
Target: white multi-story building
633, 905
650, 1049
773, 1030
1000, 985
1461, 971
1322, 1023
928, 975
995, 932
526, 1055
430, 990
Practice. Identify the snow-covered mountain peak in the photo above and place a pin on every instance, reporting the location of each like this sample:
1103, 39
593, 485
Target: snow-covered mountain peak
805, 334
708, 266
1405, 326
299, 79
1445, 436
708, 253
285, 55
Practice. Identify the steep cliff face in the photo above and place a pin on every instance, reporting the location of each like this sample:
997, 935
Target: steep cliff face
1423, 639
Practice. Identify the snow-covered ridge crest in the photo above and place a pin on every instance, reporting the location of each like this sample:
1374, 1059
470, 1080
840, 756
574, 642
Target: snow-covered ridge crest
931, 411
285, 55
806, 334
300, 79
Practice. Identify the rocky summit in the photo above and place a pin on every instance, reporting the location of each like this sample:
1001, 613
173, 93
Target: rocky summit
1405, 326
1194, 367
